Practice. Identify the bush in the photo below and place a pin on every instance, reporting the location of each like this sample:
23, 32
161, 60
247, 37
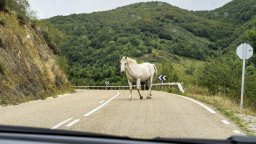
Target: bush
190, 70
165, 35
58, 81
1, 43
166, 68
2, 68
223, 75
19, 7
23, 19
50, 43
2, 22
62, 62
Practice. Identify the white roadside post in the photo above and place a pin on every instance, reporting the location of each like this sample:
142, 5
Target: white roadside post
107, 83
180, 87
244, 51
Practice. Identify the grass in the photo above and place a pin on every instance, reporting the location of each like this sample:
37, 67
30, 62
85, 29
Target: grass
183, 64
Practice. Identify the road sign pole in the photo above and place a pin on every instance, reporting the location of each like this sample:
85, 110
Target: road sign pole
243, 72
244, 51
242, 85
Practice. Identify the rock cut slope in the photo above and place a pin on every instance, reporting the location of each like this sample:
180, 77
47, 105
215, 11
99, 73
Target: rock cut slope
28, 69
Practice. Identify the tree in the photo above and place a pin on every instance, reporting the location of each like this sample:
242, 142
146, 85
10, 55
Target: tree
252, 34
53, 37
166, 68
222, 74
19, 7
62, 62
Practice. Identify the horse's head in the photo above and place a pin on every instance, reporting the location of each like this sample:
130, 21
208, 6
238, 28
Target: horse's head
123, 64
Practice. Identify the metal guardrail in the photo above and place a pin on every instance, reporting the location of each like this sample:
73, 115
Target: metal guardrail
157, 85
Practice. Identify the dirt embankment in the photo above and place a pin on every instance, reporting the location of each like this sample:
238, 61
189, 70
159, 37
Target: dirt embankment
28, 69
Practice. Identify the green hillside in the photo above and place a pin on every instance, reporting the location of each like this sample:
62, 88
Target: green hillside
153, 31
236, 12
240, 14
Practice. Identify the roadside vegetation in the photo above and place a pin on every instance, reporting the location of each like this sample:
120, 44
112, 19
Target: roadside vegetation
30, 66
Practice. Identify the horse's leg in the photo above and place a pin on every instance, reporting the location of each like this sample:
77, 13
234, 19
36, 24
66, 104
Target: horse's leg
130, 87
150, 81
138, 88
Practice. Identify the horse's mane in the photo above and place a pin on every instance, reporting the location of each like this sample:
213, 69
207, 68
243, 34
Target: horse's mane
130, 60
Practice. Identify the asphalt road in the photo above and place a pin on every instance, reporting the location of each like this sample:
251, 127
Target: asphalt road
111, 112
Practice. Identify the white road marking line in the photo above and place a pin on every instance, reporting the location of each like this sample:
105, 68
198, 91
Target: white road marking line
237, 132
199, 103
73, 122
225, 121
61, 123
102, 105
102, 101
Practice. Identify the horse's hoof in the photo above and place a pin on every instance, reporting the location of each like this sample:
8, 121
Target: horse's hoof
141, 97
149, 97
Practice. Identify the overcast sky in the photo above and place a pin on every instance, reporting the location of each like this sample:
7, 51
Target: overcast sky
49, 8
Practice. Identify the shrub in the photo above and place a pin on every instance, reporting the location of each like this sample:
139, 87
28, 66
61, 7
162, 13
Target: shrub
2, 22
19, 7
62, 62
223, 75
1, 43
2, 68
165, 35
50, 43
23, 19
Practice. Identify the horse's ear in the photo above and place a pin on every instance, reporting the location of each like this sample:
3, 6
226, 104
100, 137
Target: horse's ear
125, 57
121, 57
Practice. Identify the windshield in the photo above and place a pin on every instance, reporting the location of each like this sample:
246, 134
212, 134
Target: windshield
135, 68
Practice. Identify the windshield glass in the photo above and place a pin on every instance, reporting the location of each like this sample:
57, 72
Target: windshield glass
136, 68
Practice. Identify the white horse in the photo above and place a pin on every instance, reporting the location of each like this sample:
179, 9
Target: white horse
137, 73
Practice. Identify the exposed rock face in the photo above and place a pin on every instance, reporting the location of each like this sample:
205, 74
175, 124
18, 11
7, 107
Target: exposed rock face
28, 69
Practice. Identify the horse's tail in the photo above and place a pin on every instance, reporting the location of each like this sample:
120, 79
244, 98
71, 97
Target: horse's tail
155, 73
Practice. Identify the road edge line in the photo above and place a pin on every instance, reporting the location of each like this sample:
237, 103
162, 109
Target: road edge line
195, 101
201, 104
